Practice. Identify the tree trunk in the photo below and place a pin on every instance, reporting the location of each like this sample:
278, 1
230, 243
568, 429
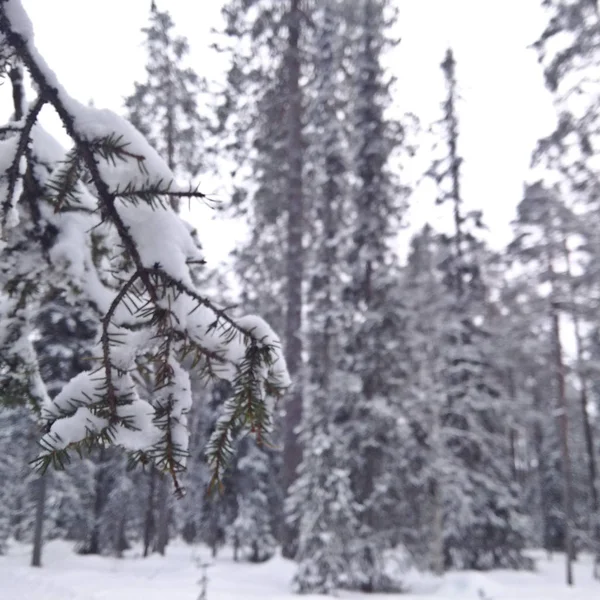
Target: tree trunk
93, 546
587, 426
121, 543
236, 549
563, 425
538, 438
175, 203
149, 519
512, 394
38, 532
437, 546
164, 508
292, 453
583, 383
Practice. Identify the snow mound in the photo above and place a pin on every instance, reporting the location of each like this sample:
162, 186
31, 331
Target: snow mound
469, 585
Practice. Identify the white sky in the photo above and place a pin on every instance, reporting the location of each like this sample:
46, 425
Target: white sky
95, 47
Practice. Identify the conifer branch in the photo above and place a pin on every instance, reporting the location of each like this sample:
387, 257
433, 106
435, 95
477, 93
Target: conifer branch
105, 341
14, 170
151, 304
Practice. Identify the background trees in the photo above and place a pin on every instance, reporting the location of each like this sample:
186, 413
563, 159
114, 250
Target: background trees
444, 404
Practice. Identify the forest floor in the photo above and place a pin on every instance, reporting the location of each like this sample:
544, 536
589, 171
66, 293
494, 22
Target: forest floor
67, 576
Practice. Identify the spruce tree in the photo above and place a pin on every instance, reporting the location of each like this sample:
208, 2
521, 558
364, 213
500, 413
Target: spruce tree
251, 528
464, 438
321, 502
378, 202
567, 49
165, 107
262, 126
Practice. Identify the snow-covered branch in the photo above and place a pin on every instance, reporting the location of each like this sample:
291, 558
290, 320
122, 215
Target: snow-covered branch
113, 242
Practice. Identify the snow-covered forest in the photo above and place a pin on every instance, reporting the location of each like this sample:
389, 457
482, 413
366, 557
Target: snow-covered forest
348, 405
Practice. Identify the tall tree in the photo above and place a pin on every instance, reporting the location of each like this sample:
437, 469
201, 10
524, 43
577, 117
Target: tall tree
321, 503
261, 121
295, 246
467, 436
165, 107
378, 203
568, 49
543, 222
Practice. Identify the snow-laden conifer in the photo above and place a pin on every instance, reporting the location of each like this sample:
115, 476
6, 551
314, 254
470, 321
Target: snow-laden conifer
107, 202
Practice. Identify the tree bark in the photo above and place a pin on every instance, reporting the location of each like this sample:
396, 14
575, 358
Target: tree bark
583, 399
149, 519
563, 425
38, 533
94, 543
292, 453
513, 438
164, 508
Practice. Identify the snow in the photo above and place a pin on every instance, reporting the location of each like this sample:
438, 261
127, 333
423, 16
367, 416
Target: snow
20, 21
45, 147
161, 237
67, 576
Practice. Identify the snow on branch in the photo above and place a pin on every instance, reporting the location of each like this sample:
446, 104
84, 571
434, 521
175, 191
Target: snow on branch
118, 244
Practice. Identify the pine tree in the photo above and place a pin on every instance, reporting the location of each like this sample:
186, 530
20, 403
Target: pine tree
251, 528
542, 226
378, 202
262, 121
165, 107
321, 502
567, 49
464, 438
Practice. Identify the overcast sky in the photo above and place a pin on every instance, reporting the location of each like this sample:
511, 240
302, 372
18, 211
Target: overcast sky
95, 47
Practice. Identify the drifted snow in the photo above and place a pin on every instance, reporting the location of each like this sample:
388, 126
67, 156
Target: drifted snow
68, 576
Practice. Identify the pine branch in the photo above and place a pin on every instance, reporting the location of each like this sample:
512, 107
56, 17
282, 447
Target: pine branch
145, 303
14, 170
65, 182
149, 193
105, 341
220, 314
246, 409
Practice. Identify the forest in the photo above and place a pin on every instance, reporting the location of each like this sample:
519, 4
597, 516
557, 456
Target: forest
352, 394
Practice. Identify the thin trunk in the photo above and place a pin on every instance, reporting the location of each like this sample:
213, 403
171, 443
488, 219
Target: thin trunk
149, 519
162, 531
94, 544
121, 543
19, 105
562, 415
175, 204
292, 454
538, 439
584, 400
437, 547
512, 393
38, 532
451, 120
563, 425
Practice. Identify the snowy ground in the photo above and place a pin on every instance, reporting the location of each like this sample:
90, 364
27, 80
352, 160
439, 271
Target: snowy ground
67, 576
